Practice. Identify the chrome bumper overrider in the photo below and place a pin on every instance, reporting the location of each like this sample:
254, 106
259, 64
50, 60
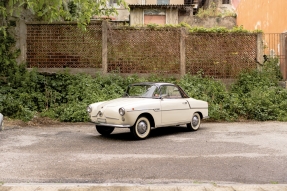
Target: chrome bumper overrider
112, 125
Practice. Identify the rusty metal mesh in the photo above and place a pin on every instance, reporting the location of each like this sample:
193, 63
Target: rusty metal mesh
62, 45
220, 55
140, 50
144, 51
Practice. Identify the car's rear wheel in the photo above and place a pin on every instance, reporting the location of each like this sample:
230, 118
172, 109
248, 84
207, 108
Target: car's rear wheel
141, 129
103, 130
195, 122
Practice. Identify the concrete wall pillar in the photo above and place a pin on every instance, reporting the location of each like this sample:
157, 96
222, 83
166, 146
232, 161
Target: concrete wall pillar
182, 51
22, 41
105, 46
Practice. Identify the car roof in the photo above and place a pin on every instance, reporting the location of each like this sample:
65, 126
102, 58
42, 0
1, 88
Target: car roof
153, 83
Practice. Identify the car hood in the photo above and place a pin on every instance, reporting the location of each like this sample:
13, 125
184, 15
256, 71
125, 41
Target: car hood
123, 102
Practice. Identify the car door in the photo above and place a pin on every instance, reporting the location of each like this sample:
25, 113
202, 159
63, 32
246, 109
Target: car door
174, 108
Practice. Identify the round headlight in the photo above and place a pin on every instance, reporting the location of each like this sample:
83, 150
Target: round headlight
89, 109
122, 111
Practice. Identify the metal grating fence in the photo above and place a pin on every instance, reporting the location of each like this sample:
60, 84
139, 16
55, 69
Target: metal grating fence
143, 51
62, 45
274, 45
220, 55
140, 50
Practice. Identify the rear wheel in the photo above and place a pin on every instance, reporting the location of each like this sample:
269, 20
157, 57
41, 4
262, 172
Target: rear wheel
103, 130
141, 129
195, 122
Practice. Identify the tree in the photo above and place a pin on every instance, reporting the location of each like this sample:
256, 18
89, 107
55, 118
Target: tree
80, 11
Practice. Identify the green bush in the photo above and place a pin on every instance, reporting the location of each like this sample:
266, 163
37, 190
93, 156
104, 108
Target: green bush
260, 97
255, 95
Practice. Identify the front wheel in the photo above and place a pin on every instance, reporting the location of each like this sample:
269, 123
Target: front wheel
141, 129
103, 130
195, 122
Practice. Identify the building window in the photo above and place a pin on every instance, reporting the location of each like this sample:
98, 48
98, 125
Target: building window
162, 2
114, 3
225, 1
154, 12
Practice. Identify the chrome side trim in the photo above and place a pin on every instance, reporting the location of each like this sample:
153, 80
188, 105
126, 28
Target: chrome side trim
176, 109
111, 125
143, 110
112, 118
173, 124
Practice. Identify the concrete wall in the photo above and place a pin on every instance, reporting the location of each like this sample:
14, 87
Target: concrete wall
209, 22
268, 16
123, 15
150, 2
171, 16
176, 2
136, 17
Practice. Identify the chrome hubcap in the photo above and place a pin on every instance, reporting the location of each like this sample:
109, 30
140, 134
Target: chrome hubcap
142, 127
195, 121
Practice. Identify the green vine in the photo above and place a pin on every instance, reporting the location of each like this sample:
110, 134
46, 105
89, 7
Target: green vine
236, 29
213, 11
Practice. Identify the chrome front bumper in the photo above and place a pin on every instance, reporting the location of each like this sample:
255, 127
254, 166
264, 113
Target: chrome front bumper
112, 125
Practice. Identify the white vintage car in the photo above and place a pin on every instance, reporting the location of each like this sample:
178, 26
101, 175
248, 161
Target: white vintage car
146, 106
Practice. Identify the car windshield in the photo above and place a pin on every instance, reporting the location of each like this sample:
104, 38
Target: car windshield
142, 90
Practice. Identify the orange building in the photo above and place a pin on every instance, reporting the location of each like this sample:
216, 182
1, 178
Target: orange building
270, 17
266, 15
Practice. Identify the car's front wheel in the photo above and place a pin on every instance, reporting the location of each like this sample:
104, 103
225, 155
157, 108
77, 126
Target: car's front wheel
141, 129
195, 122
103, 130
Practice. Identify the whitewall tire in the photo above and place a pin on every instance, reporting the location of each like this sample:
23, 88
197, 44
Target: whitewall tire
195, 122
141, 129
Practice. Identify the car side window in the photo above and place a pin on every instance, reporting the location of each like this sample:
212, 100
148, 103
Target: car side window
156, 93
170, 92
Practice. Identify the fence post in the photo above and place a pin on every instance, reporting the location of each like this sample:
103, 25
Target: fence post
105, 46
22, 41
182, 51
260, 49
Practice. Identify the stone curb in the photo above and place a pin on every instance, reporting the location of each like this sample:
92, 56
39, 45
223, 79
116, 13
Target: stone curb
157, 187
